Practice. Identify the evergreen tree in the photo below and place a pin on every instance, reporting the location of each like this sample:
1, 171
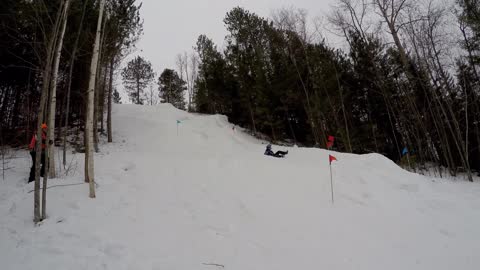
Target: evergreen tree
137, 75
470, 15
213, 86
172, 88
117, 99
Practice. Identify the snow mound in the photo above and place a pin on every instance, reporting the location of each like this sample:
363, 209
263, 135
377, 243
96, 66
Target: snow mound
186, 191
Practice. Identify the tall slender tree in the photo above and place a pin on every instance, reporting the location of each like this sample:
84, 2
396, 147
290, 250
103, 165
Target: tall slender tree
137, 75
53, 90
89, 161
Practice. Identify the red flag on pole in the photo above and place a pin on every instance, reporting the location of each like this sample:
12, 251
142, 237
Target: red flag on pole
332, 158
331, 138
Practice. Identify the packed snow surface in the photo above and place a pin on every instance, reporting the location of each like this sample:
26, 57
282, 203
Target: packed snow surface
205, 197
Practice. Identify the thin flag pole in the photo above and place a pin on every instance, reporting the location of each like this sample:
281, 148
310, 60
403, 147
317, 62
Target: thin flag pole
331, 181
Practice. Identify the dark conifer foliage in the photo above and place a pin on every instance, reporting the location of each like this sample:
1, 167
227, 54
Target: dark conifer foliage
172, 88
271, 79
24, 30
137, 75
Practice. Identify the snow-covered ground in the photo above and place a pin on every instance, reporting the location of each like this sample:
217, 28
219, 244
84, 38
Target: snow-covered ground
208, 198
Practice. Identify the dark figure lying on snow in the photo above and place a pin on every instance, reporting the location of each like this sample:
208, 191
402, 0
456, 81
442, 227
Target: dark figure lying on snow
279, 154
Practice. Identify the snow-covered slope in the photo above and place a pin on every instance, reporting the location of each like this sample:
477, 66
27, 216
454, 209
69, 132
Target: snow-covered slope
208, 198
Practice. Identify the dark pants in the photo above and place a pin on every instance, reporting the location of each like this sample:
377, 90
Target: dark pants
280, 153
32, 170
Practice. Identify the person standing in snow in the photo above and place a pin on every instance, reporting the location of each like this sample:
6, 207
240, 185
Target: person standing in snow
279, 154
33, 153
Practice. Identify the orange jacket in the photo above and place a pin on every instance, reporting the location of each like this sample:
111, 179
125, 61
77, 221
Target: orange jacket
34, 141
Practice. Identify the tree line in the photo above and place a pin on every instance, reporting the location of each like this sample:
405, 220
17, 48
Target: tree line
138, 78
406, 85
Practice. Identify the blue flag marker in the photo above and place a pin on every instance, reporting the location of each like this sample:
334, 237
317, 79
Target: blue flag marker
178, 123
405, 151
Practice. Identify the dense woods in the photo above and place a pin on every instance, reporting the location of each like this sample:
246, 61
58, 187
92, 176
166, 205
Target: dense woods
26, 29
405, 86
58, 62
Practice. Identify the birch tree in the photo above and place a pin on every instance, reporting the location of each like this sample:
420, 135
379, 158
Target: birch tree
89, 161
53, 92
50, 42
193, 64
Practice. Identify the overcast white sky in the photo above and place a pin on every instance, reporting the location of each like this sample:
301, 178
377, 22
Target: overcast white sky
172, 27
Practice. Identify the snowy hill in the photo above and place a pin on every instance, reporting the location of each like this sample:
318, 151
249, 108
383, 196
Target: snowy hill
207, 198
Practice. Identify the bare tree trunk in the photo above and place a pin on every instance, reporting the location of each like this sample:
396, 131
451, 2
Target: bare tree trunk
138, 90
470, 178
85, 141
187, 78
435, 113
110, 90
356, 11
287, 117
28, 106
95, 102
45, 179
274, 137
477, 132
89, 162
69, 86
38, 146
340, 90
53, 92
390, 120
291, 20
194, 66
252, 116
102, 98
468, 47
95, 113
390, 11
98, 87
456, 131
309, 106
47, 72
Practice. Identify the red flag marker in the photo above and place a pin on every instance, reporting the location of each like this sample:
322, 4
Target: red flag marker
331, 138
330, 159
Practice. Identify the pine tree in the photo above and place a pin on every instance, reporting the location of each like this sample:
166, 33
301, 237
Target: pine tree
213, 87
137, 75
470, 15
117, 99
172, 88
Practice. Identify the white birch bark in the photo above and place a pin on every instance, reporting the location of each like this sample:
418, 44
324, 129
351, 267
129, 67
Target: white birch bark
89, 162
53, 92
